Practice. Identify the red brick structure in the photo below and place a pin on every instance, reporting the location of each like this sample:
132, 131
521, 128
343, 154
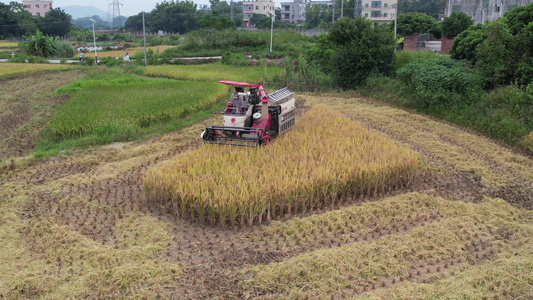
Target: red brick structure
446, 44
409, 42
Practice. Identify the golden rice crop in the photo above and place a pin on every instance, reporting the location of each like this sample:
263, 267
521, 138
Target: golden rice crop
131, 51
207, 72
9, 69
324, 158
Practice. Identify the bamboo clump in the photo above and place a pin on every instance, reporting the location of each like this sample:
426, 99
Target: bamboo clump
326, 158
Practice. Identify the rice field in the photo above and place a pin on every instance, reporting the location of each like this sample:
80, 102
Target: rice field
131, 51
309, 168
8, 45
140, 103
11, 69
207, 72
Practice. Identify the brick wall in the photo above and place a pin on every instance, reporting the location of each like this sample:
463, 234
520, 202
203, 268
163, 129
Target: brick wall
409, 42
446, 44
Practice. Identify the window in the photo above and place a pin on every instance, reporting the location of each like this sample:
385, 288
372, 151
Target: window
456, 8
38, 14
510, 7
257, 7
46, 6
366, 15
385, 4
366, 4
28, 6
497, 9
375, 13
36, 5
376, 4
384, 14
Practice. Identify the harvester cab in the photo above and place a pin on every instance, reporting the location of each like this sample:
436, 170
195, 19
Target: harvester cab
253, 117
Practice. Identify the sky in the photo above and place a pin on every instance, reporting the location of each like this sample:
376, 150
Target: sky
128, 7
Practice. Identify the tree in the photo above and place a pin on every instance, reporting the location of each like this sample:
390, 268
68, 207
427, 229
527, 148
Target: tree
415, 23
39, 45
456, 23
178, 17
135, 22
361, 49
56, 22
465, 44
216, 21
315, 15
429, 7
15, 20
261, 21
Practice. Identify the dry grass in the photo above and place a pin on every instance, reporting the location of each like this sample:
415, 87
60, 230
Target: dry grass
294, 173
11, 69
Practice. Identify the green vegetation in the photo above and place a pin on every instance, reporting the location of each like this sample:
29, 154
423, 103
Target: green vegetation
415, 23
122, 104
212, 72
360, 49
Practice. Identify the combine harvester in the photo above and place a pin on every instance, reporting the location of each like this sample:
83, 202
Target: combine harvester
252, 117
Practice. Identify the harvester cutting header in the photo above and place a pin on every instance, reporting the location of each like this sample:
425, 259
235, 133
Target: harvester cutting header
253, 117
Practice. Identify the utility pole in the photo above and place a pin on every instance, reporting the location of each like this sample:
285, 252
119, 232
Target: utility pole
144, 38
342, 8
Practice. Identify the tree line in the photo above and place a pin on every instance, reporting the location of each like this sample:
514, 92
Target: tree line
16, 21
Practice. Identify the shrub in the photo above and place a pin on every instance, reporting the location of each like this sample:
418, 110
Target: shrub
234, 59
440, 83
361, 49
64, 50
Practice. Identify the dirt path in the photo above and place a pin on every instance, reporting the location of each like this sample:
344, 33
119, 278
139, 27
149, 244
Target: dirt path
90, 196
27, 107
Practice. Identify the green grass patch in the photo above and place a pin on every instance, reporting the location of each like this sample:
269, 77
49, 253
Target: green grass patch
50, 145
106, 108
210, 72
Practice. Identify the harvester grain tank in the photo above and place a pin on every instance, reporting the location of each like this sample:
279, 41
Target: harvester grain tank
253, 117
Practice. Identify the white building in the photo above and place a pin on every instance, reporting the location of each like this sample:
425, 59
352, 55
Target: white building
293, 12
38, 8
379, 11
481, 11
262, 7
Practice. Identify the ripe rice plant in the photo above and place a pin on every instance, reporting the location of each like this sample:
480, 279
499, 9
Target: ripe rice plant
208, 72
131, 52
10, 69
141, 103
325, 158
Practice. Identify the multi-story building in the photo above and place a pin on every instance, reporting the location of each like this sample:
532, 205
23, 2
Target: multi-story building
38, 8
383, 11
483, 10
262, 7
293, 12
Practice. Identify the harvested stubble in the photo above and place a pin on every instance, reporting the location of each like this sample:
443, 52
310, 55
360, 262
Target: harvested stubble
324, 158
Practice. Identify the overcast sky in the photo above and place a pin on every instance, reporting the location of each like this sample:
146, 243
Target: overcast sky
128, 7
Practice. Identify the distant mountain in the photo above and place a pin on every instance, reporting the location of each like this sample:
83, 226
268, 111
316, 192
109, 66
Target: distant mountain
77, 11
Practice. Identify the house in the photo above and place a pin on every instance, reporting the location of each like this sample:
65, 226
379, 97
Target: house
483, 10
293, 12
262, 7
38, 8
383, 11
